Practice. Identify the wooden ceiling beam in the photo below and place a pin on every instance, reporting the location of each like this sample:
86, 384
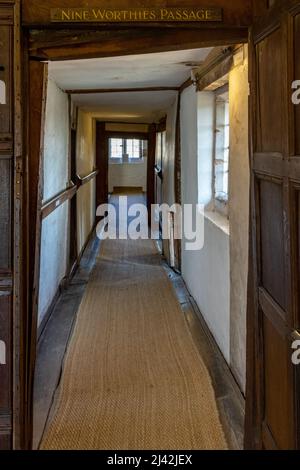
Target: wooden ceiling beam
71, 45
235, 12
120, 90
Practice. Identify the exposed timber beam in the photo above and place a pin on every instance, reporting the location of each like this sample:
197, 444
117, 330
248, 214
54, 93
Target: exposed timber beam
120, 90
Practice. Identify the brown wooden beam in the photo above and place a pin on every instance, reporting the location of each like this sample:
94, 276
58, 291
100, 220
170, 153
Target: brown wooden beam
81, 181
102, 164
214, 70
151, 170
127, 135
120, 90
235, 12
186, 84
38, 73
78, 44
58, 200
67, 194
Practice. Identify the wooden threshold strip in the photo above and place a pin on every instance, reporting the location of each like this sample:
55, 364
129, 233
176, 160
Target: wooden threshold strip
66, 195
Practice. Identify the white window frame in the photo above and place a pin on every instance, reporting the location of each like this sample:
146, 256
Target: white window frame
125, 156
221, 152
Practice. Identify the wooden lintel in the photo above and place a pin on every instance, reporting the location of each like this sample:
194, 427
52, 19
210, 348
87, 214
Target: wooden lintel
79, 44
234, 12
120, 90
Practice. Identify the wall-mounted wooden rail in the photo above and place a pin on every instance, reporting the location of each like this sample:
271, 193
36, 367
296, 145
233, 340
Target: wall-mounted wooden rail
67, 194
58, 200
81, 181
121, 90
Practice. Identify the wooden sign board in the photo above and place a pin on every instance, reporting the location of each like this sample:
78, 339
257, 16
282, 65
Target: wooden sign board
135, 15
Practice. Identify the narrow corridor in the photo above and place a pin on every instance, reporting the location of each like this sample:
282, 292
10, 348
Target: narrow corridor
133, 377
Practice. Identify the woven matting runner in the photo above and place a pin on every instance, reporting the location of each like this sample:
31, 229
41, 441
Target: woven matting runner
132, 376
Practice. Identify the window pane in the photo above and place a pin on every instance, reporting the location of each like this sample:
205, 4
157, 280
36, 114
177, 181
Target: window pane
115, 148
222, 150
145, 148
133, 148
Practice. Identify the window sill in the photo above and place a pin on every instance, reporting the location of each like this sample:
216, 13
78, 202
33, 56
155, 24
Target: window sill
221, 221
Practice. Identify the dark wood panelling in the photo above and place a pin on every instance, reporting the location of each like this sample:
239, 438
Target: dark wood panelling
5, 335
78, 44
278, 386
235, 12
296, 240
10, 226
6, 370
273, 385
272, 240
297, 77
5, 75
38, 73
270, 93
5, 212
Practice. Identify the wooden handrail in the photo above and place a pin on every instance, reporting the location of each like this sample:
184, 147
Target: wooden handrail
58, 200
67, 194
81, 181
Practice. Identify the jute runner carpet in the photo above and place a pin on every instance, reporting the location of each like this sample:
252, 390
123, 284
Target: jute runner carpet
132, 376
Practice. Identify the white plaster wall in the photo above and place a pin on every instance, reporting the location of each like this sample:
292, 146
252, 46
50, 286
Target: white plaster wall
86, 196
217, 275
56, 141
54, 240
205, 272
239, 216
54, 251
132, 174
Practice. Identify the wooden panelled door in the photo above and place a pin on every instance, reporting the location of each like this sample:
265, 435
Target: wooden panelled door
11, 371
274, 65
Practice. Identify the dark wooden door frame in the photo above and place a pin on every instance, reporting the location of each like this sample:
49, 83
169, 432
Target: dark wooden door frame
102, 164
274, 31
57, 44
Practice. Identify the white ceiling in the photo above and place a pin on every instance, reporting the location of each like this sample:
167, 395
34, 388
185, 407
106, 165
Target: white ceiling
133, 106
133, 71
147, 70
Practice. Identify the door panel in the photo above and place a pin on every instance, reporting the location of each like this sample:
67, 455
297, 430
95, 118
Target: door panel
5, 211
272, 242
297, 77
270, 65
6, 36
6, 228
278, 385
274, 314
6, 370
